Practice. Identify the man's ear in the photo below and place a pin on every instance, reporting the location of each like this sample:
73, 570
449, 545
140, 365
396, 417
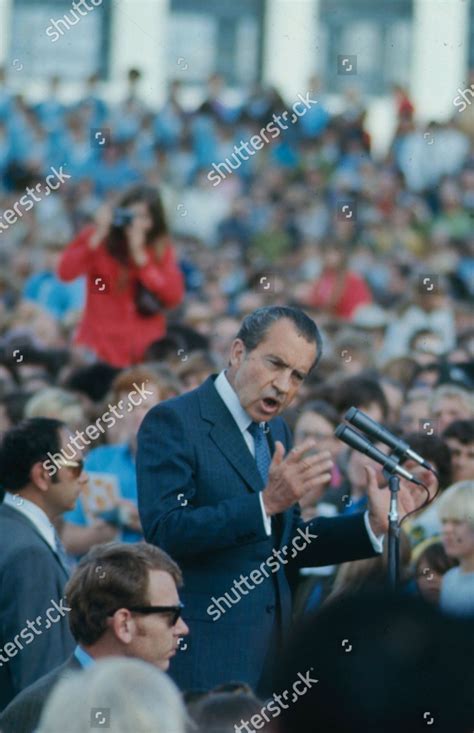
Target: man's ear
123, 626
40, 477
237, 353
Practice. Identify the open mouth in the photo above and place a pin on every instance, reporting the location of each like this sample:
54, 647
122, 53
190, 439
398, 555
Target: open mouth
270, 404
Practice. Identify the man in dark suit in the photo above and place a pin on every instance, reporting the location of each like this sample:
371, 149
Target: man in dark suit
218, 488
34, 633
108, 586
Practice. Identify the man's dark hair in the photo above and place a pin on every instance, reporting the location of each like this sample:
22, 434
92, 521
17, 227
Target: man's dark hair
435, 451
382, 663
25, 444
462, 430
110, 577
359, 391
93, 380
322, 408
256, 325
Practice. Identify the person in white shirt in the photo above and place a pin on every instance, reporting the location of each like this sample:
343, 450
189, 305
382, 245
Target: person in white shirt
34, 634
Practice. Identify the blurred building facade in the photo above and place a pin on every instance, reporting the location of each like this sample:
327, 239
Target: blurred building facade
426, 46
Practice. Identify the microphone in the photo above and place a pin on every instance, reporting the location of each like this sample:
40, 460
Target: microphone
381, 434
363, 445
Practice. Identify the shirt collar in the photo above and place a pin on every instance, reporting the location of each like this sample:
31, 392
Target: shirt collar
84, 659
232, 402
35, 514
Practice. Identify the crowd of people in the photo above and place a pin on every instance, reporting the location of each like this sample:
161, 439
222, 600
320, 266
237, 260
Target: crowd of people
126, 286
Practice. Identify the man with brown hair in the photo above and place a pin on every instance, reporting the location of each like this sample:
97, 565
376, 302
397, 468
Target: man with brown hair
123, 601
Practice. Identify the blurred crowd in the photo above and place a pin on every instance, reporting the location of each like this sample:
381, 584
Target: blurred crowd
379, 251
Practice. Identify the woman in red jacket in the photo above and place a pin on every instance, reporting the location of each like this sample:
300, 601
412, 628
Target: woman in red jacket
132, 276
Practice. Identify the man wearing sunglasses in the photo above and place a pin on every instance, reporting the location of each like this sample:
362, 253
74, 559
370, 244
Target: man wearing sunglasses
34, 633
124, 602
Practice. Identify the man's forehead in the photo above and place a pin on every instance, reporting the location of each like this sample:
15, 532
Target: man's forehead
285, 341
161, 581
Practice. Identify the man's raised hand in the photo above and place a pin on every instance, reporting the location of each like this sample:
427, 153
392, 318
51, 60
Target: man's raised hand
291, 477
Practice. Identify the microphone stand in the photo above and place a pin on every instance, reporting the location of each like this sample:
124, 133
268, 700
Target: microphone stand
393, 532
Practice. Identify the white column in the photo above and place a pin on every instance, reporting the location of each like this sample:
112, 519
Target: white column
138, 39
440, 55
290, 33
5, 21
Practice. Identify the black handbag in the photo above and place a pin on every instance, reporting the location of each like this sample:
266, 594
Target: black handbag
146, 302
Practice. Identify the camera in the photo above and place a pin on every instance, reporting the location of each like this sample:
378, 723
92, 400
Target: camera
122, 217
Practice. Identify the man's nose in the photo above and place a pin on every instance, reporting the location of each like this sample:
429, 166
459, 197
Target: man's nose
181, 628
282, 382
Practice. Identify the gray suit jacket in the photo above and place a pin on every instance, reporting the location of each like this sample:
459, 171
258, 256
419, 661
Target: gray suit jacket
34, 631
24, 712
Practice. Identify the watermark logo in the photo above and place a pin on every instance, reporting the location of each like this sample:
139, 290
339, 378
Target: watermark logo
428, 426
246, 583
26, 202
346, 64
428, 283
346, 210
29, 632
59, 27
266, 284
100, 137
247, 149
276, 704
464, 98
100, 717
115, 412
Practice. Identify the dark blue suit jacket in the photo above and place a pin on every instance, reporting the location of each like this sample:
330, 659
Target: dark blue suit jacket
198, 487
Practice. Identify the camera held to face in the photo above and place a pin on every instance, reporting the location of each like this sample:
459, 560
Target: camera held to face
122, 217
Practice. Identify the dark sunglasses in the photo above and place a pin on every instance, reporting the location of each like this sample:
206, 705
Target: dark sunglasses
76, 467
174, 611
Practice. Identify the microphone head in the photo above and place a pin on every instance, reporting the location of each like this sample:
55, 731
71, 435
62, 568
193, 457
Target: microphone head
350, 413
339, 431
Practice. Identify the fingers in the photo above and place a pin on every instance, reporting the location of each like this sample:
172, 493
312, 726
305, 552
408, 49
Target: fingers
320, 462
278, 454
296, 453
372, 484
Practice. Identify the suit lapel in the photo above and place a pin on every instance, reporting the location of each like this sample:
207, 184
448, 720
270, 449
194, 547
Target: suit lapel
18, 516
230, 441
227, 436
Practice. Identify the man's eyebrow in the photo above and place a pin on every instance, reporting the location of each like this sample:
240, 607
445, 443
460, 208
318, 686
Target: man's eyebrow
283, 363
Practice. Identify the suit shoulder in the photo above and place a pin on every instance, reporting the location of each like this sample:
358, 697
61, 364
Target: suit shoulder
33, 696
22, 543
181, 405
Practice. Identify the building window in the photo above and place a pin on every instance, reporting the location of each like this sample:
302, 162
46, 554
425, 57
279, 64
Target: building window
215, 36
50, 38
378, 34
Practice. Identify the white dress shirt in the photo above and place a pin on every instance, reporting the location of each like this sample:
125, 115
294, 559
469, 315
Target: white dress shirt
243, 421
36, 515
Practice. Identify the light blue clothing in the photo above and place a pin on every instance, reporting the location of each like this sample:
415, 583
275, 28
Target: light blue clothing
84, 659
457, 592
118, 461
57, 297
